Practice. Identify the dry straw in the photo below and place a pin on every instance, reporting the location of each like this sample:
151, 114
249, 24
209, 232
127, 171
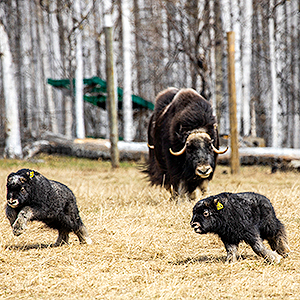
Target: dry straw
143, 245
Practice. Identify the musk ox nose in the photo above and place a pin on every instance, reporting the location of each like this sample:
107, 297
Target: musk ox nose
196, 226
203, 171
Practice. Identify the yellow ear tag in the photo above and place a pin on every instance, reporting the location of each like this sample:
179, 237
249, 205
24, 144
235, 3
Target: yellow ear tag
31, 174
219, 206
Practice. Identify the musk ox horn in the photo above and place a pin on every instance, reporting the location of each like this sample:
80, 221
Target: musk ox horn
150, 146
219, 151
179, 152
192, 135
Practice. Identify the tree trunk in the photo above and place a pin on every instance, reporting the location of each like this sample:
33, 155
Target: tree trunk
246, 57
46, 68
274, 119
26, 68
127, 91
13, 147
79, 108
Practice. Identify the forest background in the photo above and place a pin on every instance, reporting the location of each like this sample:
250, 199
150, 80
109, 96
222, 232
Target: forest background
179, 43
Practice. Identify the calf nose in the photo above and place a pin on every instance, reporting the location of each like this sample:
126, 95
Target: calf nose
196, 226
13, 202
203, 171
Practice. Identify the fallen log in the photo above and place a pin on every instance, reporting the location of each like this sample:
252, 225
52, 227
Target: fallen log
276, 158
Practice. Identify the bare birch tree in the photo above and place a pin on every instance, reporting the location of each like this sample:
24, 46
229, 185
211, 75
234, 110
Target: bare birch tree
127, 91
80, 131
273, 82
13, 148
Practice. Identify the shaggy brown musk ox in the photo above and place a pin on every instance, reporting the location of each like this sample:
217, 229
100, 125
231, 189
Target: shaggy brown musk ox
183, 142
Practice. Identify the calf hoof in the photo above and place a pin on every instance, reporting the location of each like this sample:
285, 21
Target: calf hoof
273, 257
83, 236
18, 227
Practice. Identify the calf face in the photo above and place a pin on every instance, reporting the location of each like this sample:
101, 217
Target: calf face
205, 216
18, 189
248, 217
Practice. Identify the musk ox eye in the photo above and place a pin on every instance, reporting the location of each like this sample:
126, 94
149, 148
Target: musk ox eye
206, 213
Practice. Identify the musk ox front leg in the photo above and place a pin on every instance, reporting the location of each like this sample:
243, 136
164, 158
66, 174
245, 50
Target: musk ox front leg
204, 187
24, 216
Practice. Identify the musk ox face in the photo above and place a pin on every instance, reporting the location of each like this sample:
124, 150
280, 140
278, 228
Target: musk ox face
200, 157
200, 154
205, 215
18, 189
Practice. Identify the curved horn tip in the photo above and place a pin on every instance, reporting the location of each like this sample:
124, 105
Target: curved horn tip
219, 151
179, 152
150, 146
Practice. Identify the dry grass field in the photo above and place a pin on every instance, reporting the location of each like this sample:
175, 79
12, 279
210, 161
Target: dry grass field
143, 246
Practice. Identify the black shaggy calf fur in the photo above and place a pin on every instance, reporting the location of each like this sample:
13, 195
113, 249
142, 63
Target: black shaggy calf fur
32, 197
248, 217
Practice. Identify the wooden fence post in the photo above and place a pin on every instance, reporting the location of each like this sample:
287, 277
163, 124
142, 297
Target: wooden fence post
234, 158
110, 88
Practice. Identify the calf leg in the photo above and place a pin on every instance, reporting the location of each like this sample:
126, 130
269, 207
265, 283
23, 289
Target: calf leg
232, 253
279, 243
260, 249
63, 238
83, 235
11, 215
23, 217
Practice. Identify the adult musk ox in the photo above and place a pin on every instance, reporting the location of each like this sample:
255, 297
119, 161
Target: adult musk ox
237, 217
183, 142
32, 197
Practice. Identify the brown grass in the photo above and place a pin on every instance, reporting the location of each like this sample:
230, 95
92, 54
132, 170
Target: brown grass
143, 245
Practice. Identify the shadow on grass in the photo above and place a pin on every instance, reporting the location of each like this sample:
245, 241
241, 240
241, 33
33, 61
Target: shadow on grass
204, 258
212, 259
28, 247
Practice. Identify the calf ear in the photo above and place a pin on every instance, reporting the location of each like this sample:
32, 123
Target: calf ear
218, 204
30, 174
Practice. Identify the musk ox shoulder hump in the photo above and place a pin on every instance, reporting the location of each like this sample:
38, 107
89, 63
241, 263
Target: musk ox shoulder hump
188, 96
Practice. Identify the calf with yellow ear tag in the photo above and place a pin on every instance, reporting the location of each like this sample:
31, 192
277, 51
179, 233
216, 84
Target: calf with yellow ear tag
33, 197
237, 217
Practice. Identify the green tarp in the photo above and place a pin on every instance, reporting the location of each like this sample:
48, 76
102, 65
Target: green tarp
95, 92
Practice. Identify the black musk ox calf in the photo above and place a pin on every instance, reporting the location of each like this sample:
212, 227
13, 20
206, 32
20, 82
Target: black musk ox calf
32, 197
183, 142
248, 217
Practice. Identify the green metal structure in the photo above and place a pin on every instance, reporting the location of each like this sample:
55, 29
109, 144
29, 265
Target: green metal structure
95, 92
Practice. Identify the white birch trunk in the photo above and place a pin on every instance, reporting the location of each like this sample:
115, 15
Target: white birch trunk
235, 20
38, 75
127, 90
47, 71
296, 79
274, 117
26, 67
79, 108
246, 63
13, 147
